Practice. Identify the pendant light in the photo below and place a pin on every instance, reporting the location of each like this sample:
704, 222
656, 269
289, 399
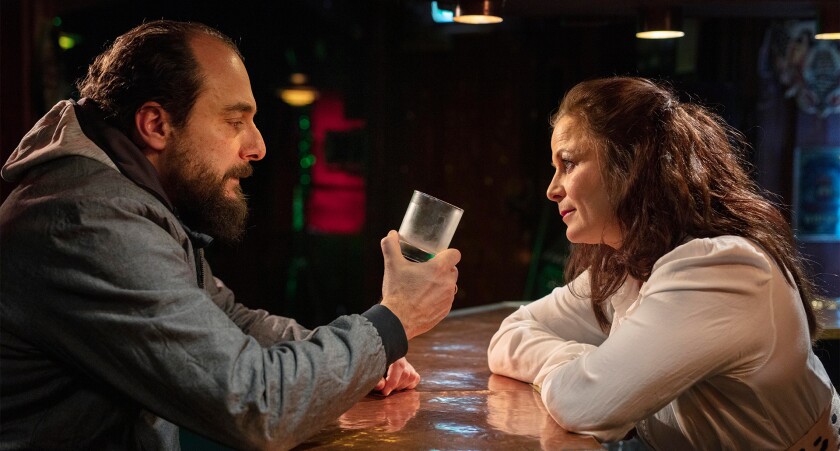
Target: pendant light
660, 23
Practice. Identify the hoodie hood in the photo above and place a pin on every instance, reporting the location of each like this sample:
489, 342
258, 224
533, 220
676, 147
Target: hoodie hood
58, 134
79, 129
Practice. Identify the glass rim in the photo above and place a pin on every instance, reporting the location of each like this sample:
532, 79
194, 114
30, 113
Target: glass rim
439, 200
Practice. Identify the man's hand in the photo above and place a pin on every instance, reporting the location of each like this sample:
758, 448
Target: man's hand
401, 376
420, 294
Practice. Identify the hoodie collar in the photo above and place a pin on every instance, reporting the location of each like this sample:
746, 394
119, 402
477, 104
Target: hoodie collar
122, 151
128, 158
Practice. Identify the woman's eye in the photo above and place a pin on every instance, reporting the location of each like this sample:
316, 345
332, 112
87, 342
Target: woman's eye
568, 165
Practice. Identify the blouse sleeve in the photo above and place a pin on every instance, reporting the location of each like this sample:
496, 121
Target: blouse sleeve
700, 313
545, 333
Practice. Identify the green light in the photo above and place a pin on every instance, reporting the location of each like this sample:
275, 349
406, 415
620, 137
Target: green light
305, 179
56, 21
297, 209
304, 145
66, 42
303, 123
307, 161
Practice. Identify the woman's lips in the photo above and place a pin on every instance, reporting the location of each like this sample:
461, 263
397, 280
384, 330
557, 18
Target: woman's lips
563, 213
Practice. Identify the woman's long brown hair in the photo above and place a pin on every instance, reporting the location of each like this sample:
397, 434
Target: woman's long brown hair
674, 170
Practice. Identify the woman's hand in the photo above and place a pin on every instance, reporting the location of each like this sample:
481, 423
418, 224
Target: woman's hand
401, 376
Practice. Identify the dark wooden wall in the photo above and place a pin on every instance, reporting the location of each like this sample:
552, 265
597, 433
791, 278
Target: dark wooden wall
458, 112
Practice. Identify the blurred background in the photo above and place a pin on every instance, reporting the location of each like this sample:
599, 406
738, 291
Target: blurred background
363, 101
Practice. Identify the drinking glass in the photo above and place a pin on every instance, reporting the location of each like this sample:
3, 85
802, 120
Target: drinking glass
427, 227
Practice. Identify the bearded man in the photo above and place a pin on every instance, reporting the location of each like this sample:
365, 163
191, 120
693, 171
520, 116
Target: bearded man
113, 330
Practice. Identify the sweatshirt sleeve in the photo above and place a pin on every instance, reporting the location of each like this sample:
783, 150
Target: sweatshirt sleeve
114, 297
270, 329
699, 314
266, 328
545, 333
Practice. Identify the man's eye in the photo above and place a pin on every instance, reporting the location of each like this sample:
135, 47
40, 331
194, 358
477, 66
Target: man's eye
237, 124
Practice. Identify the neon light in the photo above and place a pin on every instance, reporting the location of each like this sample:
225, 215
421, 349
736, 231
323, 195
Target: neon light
441, 15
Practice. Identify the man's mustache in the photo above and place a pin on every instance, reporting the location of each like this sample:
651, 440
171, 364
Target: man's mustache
240, 172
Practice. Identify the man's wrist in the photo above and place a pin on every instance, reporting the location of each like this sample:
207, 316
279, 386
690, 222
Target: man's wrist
391, 332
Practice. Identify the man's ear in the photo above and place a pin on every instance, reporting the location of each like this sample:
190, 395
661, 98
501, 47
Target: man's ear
152, 127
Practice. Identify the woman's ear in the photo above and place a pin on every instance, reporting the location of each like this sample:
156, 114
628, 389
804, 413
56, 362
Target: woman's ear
153, 127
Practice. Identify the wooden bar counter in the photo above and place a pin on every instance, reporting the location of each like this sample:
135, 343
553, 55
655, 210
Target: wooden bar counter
458, 404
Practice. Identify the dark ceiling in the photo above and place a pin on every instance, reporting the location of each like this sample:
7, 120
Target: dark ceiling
743, 8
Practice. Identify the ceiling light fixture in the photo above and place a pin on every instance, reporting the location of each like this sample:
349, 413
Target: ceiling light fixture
660, 23
828, 21
299, 93
479, 11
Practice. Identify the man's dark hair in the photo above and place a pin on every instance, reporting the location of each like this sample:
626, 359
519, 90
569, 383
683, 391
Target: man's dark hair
151, 62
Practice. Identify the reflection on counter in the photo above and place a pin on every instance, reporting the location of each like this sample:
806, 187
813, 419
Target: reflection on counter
382, 414
458, 404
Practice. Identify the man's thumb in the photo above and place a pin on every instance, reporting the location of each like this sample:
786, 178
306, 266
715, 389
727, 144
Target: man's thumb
391, 246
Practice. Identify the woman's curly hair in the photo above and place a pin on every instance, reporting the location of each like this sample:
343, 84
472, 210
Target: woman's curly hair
673, 170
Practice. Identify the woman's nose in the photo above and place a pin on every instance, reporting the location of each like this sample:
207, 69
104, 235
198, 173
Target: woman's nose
555, 192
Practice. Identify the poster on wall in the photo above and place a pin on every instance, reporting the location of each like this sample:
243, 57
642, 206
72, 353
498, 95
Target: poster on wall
808, 69
816, 194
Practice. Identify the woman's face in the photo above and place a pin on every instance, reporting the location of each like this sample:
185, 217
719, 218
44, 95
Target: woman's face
579, 189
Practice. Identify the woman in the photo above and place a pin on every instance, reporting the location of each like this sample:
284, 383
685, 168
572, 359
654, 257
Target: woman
687, 317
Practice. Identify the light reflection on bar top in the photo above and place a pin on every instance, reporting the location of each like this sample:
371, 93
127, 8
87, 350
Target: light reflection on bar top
452, 380
461, 429
452, 347
486, 420
459, 404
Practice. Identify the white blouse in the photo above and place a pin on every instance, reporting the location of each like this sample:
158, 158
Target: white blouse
712, 352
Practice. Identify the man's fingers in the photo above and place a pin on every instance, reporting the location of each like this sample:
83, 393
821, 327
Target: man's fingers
415, 379
391, 245
392, 381
405, 381
449, 257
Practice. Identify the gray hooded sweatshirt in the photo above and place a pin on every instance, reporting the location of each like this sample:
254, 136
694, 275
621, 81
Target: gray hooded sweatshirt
113, 329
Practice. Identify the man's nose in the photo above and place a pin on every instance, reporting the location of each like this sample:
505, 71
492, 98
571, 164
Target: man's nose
254, 148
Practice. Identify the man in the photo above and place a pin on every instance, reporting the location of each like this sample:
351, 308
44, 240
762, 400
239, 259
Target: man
112, 326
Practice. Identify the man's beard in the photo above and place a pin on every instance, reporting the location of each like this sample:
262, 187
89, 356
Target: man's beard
198, 193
